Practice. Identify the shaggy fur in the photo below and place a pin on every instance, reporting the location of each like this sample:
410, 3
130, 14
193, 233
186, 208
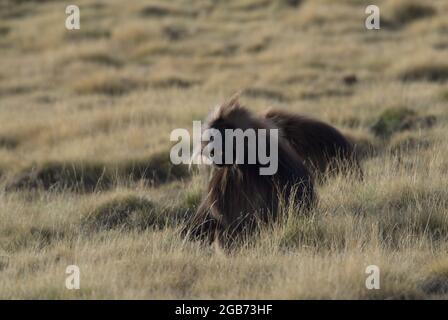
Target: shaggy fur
322, 147
238, 197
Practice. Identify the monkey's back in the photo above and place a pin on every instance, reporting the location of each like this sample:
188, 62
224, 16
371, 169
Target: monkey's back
322, 147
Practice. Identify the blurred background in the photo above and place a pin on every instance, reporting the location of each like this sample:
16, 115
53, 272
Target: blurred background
136, 70
85, 118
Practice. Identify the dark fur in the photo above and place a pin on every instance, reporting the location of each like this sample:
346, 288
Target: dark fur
237, 197
322, 147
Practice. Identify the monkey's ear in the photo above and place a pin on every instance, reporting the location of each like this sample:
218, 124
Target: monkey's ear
233, 102
234, 99
222, 110
267, 113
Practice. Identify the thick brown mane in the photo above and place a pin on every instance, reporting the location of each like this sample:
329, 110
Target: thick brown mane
237, 196
322, 147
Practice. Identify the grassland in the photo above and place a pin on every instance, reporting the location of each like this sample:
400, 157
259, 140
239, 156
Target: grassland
85, 117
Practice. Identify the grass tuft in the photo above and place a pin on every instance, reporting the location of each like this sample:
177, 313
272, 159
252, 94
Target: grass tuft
173, 82
395, 120
88, 176
36, 237
407, 11
102, 59
8, 142
160, 10
111, 85
264, 93
126, 212
407, 142
430, 71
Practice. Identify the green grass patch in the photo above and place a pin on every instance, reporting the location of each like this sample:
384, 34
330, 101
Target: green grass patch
122, 212
395, 120
131, 212
406, 11
89, 176
111, 85
8, 142
431, 71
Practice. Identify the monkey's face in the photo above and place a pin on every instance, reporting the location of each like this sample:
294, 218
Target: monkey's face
231, 137
215, 145
228, 145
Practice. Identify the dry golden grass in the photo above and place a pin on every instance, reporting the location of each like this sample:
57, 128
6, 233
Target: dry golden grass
85, 118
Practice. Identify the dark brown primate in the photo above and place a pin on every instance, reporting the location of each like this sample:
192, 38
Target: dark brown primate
322, 147
238, 197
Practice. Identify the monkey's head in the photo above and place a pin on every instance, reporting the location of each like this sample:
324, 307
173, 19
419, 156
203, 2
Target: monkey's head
225, 134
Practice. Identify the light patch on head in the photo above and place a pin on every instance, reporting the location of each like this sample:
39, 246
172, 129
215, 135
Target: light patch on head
234, 114
226, 109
